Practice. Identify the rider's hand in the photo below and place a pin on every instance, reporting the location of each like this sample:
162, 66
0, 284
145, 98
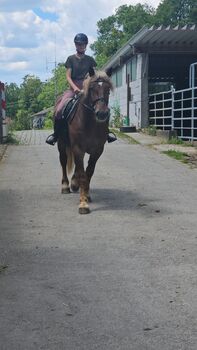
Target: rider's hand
77, 90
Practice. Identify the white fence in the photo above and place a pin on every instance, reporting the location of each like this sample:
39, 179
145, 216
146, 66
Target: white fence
175, 110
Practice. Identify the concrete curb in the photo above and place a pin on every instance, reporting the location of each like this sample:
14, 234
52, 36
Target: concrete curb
159, 144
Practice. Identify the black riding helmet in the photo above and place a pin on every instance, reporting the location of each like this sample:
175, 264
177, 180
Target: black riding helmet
81, 38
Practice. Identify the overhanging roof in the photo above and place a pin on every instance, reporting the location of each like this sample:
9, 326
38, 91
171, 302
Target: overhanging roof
43, 112
156, 40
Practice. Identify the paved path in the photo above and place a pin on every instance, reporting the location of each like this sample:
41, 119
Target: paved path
122, 277
32, 137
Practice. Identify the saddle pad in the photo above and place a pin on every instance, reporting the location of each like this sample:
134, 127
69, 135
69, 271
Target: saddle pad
70, 107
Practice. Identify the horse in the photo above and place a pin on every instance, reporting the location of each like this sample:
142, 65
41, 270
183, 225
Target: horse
87, 133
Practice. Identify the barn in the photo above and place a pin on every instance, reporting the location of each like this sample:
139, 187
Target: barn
149, 71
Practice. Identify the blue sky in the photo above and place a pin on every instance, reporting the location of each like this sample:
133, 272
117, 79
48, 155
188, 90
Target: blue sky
33, 32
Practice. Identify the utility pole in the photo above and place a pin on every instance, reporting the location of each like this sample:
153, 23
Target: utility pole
55, 76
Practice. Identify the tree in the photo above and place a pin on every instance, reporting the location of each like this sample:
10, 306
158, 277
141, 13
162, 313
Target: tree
115, 30
29, 92
176, 12
12, 96
53, 87
133, 18
22, 120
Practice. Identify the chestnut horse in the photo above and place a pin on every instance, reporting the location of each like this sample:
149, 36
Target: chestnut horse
86, 133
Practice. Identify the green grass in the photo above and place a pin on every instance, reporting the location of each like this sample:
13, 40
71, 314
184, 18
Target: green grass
175, 141
177, 155
123, 136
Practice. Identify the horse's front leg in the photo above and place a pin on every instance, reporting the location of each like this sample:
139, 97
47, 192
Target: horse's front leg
82, 179
74, 182
91, 167
63, 161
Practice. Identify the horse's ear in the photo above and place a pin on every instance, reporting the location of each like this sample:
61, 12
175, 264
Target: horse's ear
91, 72
109, 72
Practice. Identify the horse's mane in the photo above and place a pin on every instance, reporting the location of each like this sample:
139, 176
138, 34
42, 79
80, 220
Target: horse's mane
98, 75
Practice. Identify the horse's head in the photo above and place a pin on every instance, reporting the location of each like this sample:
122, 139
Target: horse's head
97, 89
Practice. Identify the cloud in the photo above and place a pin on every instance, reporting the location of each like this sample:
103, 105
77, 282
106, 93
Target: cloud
13, 66
35, 31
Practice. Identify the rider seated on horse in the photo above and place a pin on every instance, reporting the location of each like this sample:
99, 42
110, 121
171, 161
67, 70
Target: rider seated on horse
77, 66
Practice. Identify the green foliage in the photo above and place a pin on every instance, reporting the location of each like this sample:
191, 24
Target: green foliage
116, 117
174, 12
22, 121
12, 97
58, 80
133, 18
33, 96
11, 139
48, 123
29, 92
151, 130
176, 141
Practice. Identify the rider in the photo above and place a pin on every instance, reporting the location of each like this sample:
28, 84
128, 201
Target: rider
77, 66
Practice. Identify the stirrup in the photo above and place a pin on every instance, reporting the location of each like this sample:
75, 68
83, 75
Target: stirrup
111, 137
51, 140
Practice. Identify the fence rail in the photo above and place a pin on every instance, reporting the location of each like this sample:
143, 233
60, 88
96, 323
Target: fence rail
175, 110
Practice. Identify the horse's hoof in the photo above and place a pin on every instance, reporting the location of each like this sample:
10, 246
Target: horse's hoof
65, 190
74, 188
84, 210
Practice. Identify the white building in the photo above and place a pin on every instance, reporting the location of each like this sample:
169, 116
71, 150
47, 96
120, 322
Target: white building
153, 60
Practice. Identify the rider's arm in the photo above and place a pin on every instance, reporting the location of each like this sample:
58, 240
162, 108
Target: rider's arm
70, 81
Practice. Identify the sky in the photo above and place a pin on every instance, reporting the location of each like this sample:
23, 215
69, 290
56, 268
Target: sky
34, 34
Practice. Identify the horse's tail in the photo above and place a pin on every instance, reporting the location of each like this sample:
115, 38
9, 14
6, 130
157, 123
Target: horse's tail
70, 160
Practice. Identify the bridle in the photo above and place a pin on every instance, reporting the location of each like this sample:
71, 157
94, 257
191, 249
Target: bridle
91, 107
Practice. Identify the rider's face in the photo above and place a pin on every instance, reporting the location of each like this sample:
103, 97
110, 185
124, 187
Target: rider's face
81, 48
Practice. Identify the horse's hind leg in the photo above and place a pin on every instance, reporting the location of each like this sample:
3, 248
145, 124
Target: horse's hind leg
63, 161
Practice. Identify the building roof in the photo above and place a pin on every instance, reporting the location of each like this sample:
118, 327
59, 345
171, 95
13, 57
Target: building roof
43, 112
156, 40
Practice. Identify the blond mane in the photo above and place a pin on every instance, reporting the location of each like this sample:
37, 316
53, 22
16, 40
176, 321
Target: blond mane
98, 75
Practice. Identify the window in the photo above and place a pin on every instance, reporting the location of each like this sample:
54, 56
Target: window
117, 78
131, 68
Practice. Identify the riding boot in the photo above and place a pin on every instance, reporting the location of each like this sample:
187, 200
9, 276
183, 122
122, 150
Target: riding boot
111, 137
52, 139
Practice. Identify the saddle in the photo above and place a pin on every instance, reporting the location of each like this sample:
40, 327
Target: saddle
70, 107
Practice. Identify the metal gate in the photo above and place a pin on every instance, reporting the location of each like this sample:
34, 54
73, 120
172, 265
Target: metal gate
176, 110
